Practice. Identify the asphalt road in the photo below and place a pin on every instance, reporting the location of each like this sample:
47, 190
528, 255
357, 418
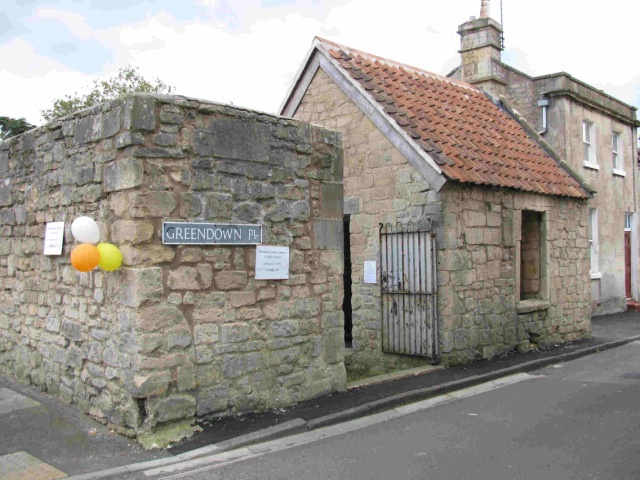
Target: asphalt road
576, 420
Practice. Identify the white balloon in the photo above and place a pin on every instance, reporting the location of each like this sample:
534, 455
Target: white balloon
85, 230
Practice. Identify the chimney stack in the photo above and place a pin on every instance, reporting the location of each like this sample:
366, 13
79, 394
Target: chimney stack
480, 47
485, 9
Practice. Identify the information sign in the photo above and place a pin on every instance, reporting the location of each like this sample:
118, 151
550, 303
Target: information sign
53, 238
272, 262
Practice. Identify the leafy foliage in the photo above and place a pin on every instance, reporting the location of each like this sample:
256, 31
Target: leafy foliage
10, 127
127, 80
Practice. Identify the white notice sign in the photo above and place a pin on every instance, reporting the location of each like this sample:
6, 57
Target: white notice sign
370, 273
272, 263
53, 237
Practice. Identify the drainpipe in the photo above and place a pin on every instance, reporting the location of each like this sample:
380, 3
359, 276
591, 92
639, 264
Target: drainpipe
544, 103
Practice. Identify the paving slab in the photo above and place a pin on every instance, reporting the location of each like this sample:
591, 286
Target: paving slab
24, 466
60, 435
11, 401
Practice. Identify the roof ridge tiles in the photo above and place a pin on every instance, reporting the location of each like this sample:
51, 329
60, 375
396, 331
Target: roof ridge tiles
471, 136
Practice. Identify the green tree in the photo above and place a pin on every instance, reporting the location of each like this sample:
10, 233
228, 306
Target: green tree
127, 80
10, 127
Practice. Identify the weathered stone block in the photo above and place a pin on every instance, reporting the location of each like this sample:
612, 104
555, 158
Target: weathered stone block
234, 280
474, 218
87, 129
165, 139
241, 299
205, 274
131, 231
174, 407
152, 204
149, 254
72, 330
212, 314
114, 358
123, 174
191, 205
351, 206
329, 234
237, 139
212, 400
208, 299
159, 317
474, 236
284, 328
129, 138
148, 384
205, 333
234, 332
180, 338
184, 278
139, 113
139, 285
5, 193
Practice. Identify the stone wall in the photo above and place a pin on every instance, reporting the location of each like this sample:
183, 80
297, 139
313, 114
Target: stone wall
178, 331
380, 186
616, 195
481, 312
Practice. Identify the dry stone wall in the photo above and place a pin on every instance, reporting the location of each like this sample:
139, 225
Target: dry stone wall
178, 331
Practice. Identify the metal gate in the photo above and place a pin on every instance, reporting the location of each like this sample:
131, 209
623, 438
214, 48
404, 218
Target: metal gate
409, 290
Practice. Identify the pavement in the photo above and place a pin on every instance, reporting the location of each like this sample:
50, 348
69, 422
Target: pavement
43, 438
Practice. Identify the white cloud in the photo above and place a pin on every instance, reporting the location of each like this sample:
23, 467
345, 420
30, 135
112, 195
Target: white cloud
248, 54
34, 82
73, 22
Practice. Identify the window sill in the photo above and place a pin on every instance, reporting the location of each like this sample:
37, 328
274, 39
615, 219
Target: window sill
593, 166
533, 305
595, 276
620, 173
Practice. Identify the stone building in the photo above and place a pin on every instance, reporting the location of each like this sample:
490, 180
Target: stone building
180, 331
593, 132
510, 217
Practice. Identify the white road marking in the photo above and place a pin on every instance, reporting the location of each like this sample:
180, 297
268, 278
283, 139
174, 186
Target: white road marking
252, 451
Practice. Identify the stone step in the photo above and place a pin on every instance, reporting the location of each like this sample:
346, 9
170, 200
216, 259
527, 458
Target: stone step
633, 306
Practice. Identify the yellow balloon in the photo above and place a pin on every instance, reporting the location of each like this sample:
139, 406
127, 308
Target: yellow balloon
110, 256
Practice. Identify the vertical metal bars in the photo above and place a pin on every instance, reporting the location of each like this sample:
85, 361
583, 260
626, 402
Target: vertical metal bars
408, 290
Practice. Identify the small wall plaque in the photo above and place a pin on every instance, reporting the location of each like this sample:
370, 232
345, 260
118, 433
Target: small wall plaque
272, 262
53, 238
370, 272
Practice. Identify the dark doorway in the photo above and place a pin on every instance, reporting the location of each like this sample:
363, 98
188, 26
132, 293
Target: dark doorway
346, 303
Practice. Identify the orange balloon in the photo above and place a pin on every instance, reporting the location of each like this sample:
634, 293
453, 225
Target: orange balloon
85, 257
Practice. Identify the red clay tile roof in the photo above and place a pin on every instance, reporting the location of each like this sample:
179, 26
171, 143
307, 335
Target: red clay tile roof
467, 134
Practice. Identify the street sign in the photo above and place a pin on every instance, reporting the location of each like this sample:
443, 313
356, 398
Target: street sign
186, 233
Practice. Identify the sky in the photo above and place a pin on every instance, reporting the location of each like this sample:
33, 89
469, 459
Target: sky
247, 52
